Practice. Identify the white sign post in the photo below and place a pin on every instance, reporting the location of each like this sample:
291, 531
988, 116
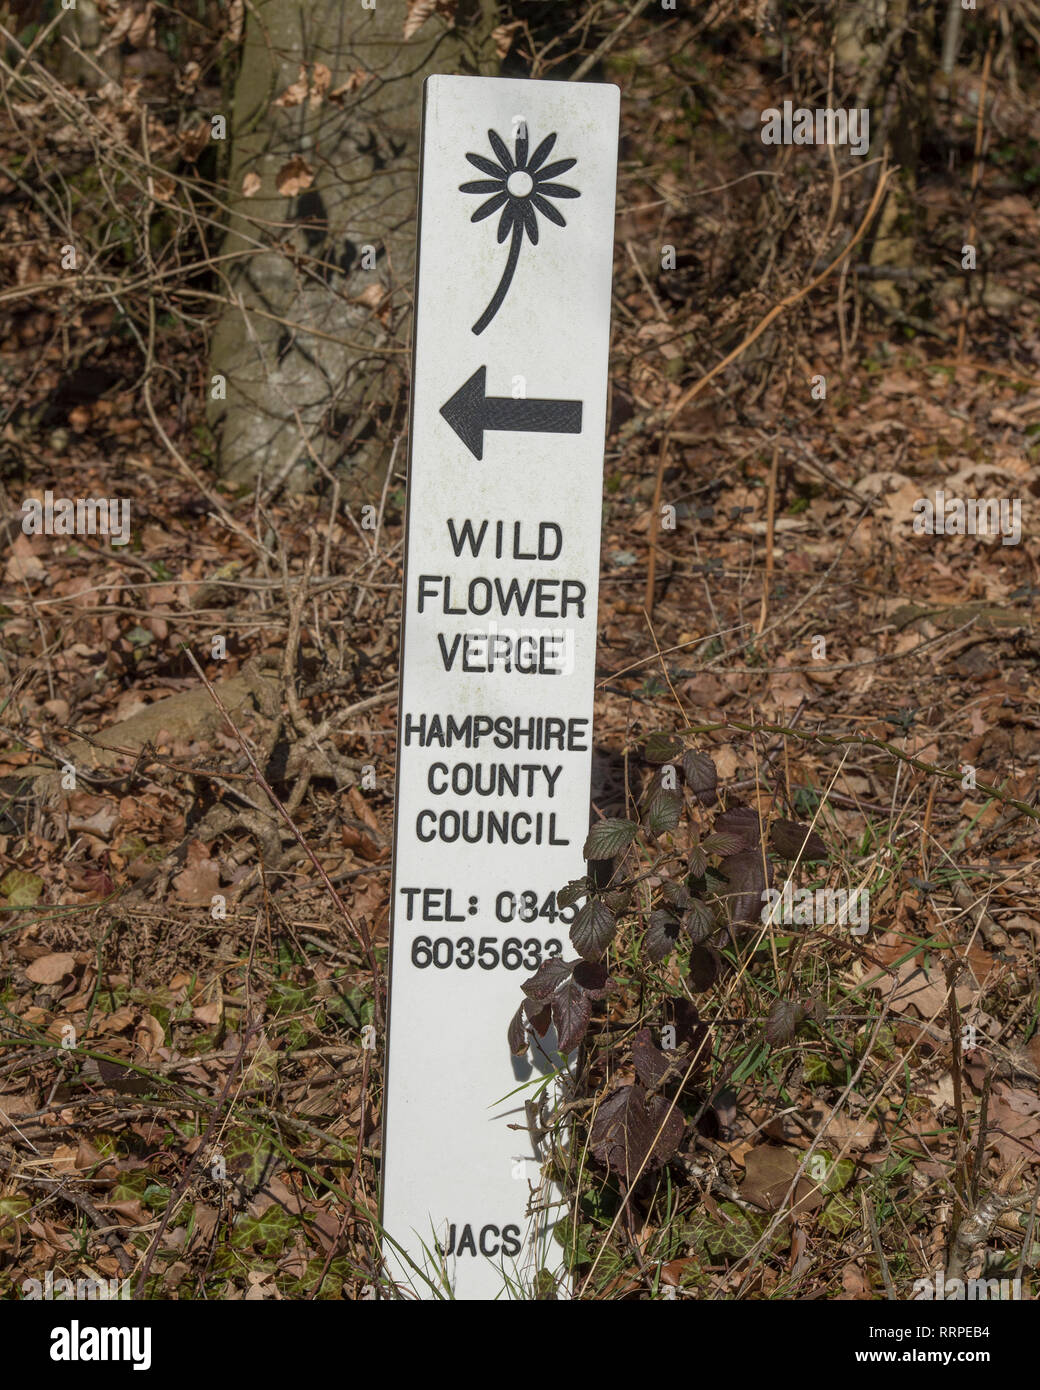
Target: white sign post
512, 321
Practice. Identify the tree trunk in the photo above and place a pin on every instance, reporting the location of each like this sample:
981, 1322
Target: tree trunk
889, 48
319, 254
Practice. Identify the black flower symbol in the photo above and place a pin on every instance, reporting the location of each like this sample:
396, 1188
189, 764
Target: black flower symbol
521, 187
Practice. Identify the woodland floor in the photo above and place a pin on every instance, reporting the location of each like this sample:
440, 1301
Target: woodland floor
238, 1041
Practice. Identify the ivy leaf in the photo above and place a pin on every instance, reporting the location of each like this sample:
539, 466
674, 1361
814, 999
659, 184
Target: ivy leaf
571, 1011
839, 1215
548, 977
702, 776
662, 810
790, 840
662, 748
698, 921
839, 1174
743, 821
593, 930
21, 887
577, 888
609, 837
661, 935
747, 878
782, 1023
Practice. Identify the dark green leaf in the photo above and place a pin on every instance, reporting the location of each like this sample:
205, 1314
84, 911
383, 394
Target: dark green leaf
662, 748
701, 775
698, 861
723, 842
617, 899
662, 810
609, 837
698, 920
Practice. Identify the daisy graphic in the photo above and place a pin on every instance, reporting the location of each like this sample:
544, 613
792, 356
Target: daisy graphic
521, 187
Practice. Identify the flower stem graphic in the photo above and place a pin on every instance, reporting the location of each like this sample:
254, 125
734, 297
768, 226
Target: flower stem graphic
506, 280
521, 185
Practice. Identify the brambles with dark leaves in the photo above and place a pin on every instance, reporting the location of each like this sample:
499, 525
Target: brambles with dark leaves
650, 892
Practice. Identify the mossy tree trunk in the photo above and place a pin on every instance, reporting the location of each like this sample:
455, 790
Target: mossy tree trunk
319, 252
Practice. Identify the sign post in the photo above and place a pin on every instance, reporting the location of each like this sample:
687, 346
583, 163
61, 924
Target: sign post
511, 336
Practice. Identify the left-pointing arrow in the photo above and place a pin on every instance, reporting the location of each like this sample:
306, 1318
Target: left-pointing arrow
471, 411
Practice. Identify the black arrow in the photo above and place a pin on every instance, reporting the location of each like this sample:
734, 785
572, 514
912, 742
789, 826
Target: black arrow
470, 412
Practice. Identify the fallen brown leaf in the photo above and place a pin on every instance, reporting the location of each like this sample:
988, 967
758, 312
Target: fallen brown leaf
770, 1172
199, 880
48, 970
294, 176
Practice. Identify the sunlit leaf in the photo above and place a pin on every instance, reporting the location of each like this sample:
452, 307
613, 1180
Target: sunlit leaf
662, 810
782, 1023
609, 837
